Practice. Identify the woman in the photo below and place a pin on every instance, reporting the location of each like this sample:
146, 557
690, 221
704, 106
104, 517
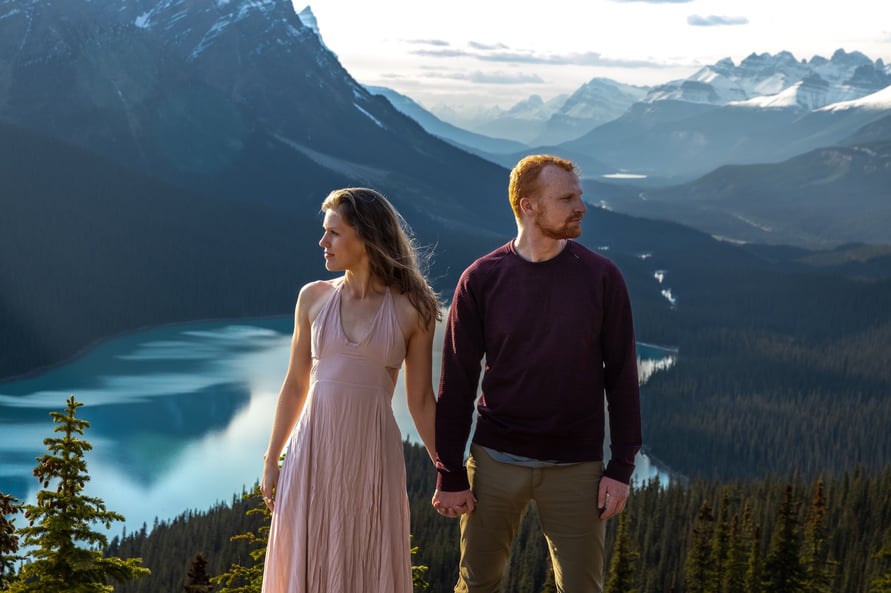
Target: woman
340, 517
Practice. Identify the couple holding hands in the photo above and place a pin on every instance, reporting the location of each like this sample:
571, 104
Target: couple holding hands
551, 322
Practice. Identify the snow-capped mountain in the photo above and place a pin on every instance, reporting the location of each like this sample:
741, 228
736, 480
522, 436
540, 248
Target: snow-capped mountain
772, 81
878, 101
235, 98
534, 121
596, 102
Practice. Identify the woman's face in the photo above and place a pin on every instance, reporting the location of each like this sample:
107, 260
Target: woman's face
344, 250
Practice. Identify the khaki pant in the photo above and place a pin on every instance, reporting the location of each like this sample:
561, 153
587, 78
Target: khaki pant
566, 499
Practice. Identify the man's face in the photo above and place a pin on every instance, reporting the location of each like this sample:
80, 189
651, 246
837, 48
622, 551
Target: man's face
557, 207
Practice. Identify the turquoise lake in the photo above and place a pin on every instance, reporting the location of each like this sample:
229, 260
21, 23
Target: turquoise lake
180, 415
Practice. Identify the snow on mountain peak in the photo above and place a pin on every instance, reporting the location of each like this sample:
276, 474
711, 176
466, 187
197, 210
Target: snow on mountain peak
779, 81
878, 101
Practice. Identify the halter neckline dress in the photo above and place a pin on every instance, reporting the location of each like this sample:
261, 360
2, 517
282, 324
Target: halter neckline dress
341, 519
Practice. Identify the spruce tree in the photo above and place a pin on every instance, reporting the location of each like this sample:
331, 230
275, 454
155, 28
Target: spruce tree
819, 569
754, 564
698, 574
882, 583
720, 545
9, 540
197, 579
623, 563
550, 583
249, 579
734, 578
419, 574
783, 569
65, 552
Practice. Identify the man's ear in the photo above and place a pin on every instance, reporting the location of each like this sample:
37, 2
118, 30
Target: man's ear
527, 206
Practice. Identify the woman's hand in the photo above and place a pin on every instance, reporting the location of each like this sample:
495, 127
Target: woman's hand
268, 484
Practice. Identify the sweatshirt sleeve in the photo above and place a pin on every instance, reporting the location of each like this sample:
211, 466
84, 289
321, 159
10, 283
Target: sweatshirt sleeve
462, 353
621, 381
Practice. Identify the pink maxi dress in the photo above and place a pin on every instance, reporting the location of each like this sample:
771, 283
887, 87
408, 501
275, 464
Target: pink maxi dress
341, 520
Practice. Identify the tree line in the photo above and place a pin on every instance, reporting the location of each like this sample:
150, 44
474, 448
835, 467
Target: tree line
775, 534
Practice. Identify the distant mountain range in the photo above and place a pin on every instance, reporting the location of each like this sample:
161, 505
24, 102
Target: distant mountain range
760, 80
789, 121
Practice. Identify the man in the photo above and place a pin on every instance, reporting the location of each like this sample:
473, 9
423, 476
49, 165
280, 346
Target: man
553, 321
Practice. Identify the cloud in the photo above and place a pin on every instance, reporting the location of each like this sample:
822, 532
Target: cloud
443, 53
486, 46
502, 54
502, 78
433, 42
591, 58
712, 20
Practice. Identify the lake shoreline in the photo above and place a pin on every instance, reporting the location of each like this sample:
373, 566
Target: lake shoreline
99, 342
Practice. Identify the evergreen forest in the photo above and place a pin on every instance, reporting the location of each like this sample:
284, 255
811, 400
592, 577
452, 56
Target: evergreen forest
769, 535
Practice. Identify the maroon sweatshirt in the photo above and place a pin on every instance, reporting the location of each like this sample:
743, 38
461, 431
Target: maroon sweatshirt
556, 336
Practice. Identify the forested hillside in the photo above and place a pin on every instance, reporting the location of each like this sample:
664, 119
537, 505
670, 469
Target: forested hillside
703, 535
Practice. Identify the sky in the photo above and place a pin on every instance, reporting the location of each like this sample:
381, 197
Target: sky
481, 53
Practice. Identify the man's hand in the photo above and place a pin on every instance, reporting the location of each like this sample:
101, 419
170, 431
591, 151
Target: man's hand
453, 504
611, 497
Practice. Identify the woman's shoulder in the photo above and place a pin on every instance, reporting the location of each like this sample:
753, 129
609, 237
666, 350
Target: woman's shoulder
314, 294
319, 288
406, 313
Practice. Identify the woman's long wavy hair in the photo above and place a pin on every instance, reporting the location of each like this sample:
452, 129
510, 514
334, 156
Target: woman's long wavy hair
392, 252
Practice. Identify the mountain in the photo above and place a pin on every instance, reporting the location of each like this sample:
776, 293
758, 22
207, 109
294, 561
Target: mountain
686, 139
823, 198
475, 143
238, 99
842, 77
598, 101
536, 122
129, 131
523, 122
757, 111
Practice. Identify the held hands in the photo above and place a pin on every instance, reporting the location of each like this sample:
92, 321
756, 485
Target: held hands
453, 504
611, 497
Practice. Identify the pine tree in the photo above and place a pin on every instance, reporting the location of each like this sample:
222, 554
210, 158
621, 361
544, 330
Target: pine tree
720, 545
249, 579
67, 552
623, 563
198, 581
733, 579
550, 583
9, 541
819, 569
753, 565
699, 569
783, 569
419, 574
882, 583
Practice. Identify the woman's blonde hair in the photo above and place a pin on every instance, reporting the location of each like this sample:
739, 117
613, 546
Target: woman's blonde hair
392, 253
